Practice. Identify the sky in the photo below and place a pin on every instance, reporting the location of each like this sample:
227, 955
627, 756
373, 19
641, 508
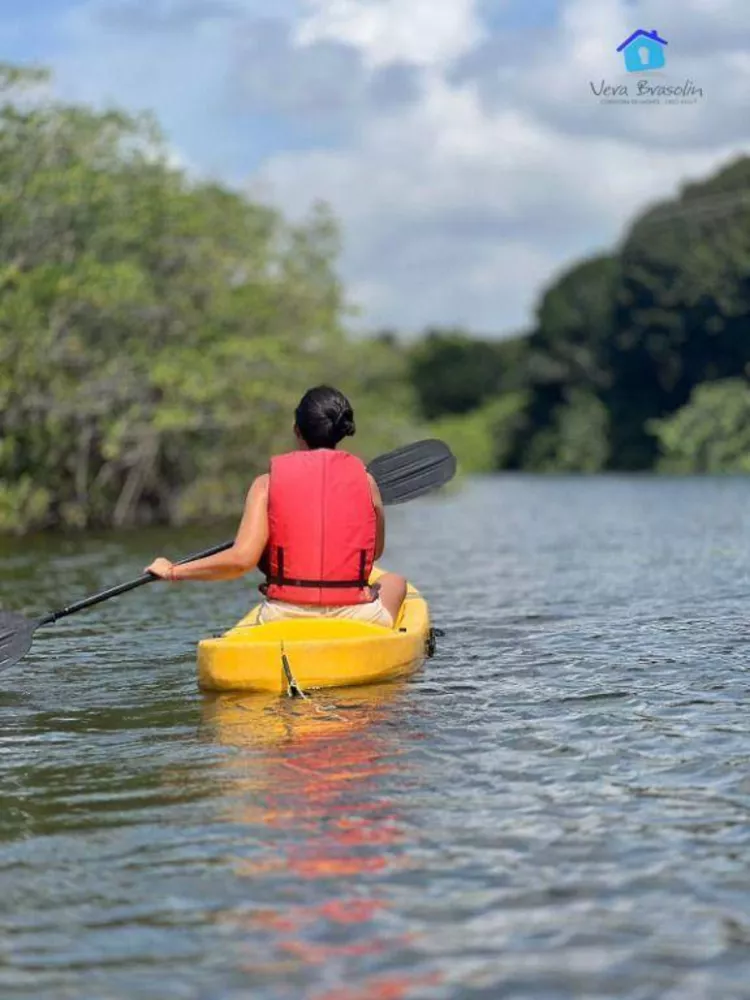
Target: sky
458, 141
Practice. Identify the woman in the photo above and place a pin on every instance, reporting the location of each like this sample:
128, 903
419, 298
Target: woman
314, 524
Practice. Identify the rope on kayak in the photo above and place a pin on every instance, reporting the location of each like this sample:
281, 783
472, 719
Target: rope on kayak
329, 712
293, 688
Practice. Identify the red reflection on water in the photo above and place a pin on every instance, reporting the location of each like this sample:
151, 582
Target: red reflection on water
338, 911
319, 786
380, 988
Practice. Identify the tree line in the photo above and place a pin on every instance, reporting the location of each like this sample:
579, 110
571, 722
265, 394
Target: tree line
156, 332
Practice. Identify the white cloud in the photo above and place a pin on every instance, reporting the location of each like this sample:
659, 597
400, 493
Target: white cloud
702, 25
553, 82
426, 32
457, 209
466, 166
455, 231
273, 72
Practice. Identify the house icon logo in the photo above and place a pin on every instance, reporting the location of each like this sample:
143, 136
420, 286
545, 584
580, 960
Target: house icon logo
643, 51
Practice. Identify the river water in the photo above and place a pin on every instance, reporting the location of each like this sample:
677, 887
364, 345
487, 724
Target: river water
557, 806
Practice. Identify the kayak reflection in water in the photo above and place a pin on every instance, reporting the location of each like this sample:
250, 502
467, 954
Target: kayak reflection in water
314, 525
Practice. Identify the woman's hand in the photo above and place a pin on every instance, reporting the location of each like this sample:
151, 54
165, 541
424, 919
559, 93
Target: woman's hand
162, 568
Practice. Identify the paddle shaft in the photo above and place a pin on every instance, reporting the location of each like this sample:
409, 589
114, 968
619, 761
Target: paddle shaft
123, 588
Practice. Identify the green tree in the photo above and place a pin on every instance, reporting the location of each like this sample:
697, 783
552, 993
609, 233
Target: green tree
574, 324
154, 334
569, 370
454, 373
711, 433
575, 440
487, 438
682, 301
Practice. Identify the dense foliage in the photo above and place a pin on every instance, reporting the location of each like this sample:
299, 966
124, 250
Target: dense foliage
155, 335
711, 433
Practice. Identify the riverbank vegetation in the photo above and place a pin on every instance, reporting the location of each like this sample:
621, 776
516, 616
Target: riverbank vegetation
156, 332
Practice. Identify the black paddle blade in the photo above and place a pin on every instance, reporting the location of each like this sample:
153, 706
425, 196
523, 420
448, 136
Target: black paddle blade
413, 471
16, 634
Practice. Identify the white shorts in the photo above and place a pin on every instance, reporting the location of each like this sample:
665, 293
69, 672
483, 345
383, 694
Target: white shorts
373, 613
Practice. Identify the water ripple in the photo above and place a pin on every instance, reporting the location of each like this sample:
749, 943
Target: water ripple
557, 807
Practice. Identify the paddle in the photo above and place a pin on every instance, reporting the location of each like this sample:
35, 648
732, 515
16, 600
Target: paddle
401, 475
413, 470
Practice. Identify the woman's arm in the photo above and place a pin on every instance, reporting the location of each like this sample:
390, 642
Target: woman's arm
377, 502
242, 557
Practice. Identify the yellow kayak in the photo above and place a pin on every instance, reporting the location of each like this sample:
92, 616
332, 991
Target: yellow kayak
321, 652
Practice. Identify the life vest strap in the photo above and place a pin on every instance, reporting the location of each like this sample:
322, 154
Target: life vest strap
285, 581
279, 580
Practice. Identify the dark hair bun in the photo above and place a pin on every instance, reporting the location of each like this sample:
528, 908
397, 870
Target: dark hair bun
345, 425
324, 417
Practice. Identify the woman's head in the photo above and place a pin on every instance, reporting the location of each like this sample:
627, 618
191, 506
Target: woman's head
324, 417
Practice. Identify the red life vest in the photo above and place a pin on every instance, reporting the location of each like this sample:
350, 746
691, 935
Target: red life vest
322, 529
